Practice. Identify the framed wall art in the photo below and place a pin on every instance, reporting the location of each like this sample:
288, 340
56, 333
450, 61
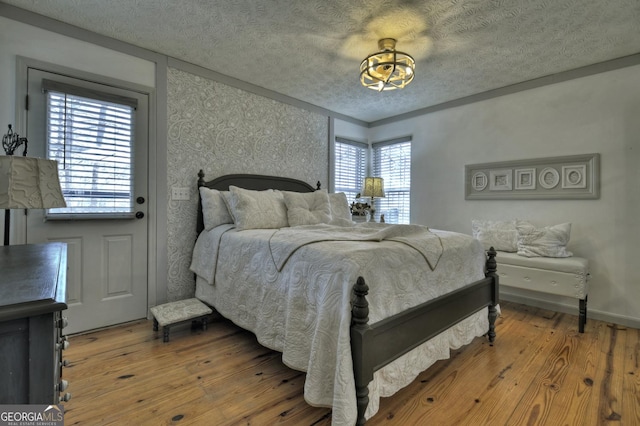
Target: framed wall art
500, 180
525, 178
549, 178
574, 176
567, 177
479, 181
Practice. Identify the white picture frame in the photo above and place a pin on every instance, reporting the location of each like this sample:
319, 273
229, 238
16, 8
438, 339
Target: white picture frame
525, 179
500, 180
479, 181
560, 178
574, 177
549, 178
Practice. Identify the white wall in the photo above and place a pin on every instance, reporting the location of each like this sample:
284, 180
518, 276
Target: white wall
347, 130
594, 114
19, 39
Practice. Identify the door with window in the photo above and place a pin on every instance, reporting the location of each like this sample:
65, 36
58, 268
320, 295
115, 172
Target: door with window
99, 136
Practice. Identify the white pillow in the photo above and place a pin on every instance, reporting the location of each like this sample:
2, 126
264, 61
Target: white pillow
226, 196
550, 241
258, 209
309, 208
214, 208
340, 210
499, 234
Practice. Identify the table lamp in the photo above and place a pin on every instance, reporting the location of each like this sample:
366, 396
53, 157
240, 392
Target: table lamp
27, 183
373, 187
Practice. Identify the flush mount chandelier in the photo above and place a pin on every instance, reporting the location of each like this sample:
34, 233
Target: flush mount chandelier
387, 69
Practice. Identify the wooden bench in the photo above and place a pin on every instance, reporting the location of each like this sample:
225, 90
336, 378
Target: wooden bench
566, 276
173, 313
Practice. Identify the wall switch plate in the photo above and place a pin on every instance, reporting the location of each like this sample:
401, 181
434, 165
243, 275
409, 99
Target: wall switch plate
180, 193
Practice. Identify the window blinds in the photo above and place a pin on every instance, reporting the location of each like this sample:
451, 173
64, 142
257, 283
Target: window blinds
91, 136
350, 167
392, 162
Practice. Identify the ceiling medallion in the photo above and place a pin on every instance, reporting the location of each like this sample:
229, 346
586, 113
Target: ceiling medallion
387, 69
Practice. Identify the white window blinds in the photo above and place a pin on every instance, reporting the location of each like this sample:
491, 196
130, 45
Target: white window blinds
90, 134
392, 162
350, 167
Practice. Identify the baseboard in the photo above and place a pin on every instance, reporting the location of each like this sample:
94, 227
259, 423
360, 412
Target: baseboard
570, 309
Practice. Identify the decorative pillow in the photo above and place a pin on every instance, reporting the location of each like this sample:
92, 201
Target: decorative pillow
226, 196
309, 208
501, 235
214, 208
339, 207
258, 209
550, 241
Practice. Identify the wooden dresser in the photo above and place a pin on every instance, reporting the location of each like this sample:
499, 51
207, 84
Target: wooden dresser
32, 298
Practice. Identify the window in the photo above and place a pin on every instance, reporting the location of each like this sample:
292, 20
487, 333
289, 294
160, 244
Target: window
392, 162
90, 134
350, 167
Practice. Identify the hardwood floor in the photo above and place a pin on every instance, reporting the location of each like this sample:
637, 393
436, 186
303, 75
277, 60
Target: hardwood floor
540, 371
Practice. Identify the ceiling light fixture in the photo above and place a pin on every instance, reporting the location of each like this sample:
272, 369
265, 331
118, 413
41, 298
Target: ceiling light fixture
387, 69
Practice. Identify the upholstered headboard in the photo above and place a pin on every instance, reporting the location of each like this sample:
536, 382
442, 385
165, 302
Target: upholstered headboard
248, 181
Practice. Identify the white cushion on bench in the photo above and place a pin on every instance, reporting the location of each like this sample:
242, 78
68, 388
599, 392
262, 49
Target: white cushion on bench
571, 265
568, 276
179, 311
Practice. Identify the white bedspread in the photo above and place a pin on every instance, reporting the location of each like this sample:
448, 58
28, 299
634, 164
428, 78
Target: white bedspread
303, 310
284, 242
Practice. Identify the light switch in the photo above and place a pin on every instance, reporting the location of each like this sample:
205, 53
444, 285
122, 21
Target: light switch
180, 193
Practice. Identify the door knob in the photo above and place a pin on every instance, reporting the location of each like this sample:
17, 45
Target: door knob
140, 200
139, 215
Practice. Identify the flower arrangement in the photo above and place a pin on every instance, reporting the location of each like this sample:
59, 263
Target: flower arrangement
360, 209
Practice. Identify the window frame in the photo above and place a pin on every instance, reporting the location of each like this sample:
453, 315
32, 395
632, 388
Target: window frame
109, 101
397, 187
381, 204
358, 176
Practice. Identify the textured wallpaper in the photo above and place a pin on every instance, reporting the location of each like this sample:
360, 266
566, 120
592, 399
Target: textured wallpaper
225, 130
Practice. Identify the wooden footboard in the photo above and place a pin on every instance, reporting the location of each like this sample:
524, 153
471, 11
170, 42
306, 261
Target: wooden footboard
375, 345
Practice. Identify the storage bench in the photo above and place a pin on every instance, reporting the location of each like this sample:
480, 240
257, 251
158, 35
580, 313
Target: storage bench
565, 276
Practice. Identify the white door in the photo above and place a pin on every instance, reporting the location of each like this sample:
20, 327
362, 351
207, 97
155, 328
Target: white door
107, 246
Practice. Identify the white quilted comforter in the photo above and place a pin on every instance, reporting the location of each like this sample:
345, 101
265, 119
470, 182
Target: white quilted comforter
293, 291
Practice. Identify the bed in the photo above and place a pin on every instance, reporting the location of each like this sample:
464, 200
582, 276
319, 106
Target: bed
346, 310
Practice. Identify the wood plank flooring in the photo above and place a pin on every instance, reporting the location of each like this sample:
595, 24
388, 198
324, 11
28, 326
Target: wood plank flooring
540, 371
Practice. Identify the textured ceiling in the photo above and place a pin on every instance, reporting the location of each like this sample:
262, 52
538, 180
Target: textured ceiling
311, 49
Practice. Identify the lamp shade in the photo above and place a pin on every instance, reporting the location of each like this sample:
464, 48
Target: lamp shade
373, 187
29, 183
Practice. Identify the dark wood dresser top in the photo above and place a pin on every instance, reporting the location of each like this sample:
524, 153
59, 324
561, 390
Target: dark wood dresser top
32, 279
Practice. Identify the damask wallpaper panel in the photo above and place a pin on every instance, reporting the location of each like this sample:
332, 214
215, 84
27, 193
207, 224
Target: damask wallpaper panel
225, 130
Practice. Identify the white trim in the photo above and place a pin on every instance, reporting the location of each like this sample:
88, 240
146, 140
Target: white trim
572, 309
